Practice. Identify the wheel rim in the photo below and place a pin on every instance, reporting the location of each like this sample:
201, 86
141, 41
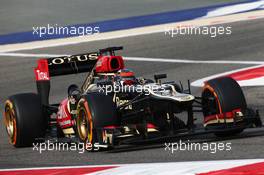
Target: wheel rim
84, 125
10, 121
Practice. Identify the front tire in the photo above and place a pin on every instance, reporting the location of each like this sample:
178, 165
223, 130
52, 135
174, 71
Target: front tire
24, 119
220, 96
94, 111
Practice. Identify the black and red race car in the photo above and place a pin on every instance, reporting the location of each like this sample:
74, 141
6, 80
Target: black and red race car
113, 106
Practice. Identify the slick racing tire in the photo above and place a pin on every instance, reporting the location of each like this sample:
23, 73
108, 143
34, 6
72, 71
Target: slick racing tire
95, 110
24, 119
220, 96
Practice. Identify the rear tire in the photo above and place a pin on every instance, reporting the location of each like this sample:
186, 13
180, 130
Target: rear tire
24, 119
226, 95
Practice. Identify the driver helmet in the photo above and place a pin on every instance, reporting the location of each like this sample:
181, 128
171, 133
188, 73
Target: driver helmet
125, 77
74, 94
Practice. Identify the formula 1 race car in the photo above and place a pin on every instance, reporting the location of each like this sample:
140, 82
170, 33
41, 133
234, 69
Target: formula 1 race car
113, 106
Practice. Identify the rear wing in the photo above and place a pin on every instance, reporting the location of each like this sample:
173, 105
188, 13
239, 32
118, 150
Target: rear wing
65, 65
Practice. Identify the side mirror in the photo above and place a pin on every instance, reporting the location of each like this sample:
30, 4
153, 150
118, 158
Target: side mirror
158, 77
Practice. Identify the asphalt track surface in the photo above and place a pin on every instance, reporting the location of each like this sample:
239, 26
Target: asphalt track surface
245, 43
20, 16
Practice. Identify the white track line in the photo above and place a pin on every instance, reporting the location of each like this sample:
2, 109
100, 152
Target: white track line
162, 60
256, 82
132, 32
237, 8
184, 168
31, 55
192, 61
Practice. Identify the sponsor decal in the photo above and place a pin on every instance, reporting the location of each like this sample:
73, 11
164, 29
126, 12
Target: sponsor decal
120, 102
41, 75
42, 71
73, 58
